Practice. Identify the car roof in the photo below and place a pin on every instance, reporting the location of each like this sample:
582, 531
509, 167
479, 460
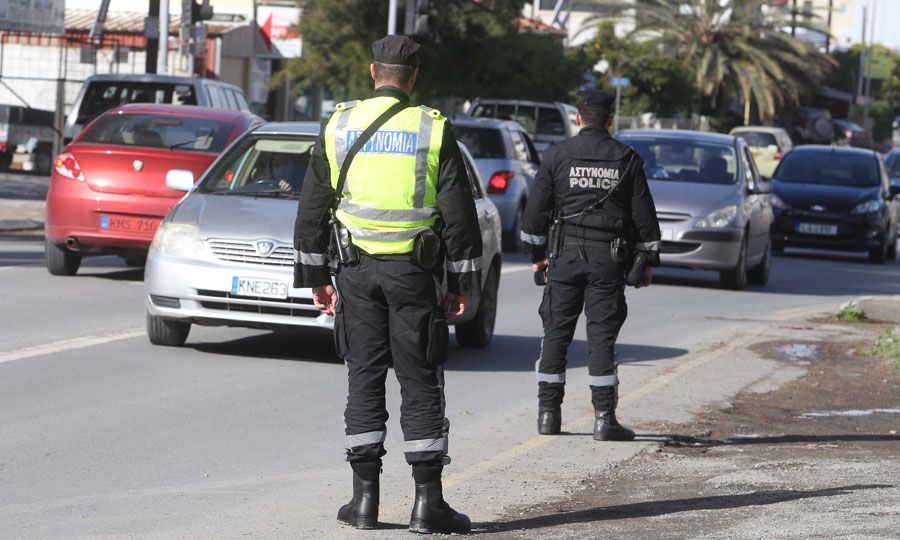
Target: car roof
678, 134
470, 121
184, 110
824, 149
517, 101
144, 77
759, 129
288, 128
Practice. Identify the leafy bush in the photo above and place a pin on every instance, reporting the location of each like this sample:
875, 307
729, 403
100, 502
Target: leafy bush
850, 313
887, 346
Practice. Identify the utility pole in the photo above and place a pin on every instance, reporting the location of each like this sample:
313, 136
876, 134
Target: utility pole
152, 37
392, 17
828, 36
862, 59
163, 37
869, 57
793, 18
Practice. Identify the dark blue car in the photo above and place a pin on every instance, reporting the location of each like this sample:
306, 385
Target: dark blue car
835, 198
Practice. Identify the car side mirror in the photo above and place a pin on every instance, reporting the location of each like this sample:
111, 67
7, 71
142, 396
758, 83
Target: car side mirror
895, 189
180, 180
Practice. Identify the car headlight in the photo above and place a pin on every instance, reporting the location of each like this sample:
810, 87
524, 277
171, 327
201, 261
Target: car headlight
723, 217
178, 239
778, 203
868, 207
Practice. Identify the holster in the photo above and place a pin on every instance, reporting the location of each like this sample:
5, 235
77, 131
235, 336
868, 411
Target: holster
341, 243
428, 250
556, 238
621, 251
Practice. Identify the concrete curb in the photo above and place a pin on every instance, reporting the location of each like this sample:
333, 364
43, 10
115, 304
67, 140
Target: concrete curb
878, 308
12, 225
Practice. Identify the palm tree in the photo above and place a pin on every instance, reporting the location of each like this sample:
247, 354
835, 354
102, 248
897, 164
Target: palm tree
734, 48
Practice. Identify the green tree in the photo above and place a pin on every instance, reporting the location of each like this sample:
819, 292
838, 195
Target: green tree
658, 84
473, 49
735, 50
885, 92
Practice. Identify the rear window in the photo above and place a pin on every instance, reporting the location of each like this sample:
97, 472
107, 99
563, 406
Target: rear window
829, 168
686, 161
550, 122
483, 143
102, 96
159, 131
757, 139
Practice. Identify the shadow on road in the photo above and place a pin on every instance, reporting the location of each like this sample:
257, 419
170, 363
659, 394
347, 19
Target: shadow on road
685, 441
518, 353
307, 345
672, 506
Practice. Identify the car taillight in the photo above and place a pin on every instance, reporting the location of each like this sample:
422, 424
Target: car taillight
778, 156
499, 182
848, 133
68, 167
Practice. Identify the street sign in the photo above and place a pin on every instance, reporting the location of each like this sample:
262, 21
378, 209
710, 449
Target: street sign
620, 82
44, 16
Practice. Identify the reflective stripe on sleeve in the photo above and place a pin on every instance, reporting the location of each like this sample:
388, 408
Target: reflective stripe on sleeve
648, 246
376, 214
468, 265
362, 439
532, 239
426, 445
310, 259
605, 380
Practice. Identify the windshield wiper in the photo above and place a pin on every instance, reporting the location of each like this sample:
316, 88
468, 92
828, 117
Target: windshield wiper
182, 143
258, 193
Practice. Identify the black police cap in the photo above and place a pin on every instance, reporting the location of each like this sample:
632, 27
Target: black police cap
596, 100
396, 50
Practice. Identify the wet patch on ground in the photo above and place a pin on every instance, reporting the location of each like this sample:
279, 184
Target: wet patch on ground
817, 458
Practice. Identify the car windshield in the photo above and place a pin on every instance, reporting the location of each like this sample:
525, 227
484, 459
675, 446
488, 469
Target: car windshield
892, 163
159, 131
829, 168
261, 166
102, 96
483, 143
757, 138
678, 160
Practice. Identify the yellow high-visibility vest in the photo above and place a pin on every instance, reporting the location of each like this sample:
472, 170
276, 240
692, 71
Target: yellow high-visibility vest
390, 194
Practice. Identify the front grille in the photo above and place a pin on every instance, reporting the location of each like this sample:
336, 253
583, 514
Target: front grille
225, 301
675, 248
672, 217
245, 252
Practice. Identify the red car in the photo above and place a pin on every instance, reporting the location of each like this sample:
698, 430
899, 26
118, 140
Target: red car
108, 190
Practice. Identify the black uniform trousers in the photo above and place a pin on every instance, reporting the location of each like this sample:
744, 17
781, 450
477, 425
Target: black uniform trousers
390, 312
583, 276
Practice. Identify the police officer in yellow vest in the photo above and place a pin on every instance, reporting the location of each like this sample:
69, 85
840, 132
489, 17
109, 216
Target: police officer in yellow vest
408, 211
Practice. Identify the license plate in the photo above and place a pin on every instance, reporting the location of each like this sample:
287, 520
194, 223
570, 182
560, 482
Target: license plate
128, 224
816, 228
263, 288
668, 234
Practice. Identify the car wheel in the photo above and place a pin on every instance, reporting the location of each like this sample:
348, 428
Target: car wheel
60, 261
736, 278
760, 274
135, 260
480, 330
167, 332
512, 240
879, 255
42, 162
777, 246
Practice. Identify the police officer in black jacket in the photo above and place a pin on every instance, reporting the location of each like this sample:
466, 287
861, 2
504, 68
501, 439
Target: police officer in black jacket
596, 188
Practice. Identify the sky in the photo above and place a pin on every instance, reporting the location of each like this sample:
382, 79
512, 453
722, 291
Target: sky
887, 17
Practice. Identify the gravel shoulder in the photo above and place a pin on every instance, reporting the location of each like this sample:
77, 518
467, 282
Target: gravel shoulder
816, 457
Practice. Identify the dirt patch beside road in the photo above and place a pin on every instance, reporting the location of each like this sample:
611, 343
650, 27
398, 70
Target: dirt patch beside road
818, 457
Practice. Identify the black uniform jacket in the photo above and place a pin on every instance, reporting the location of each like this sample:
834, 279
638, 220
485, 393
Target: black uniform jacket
578, 172
460, 232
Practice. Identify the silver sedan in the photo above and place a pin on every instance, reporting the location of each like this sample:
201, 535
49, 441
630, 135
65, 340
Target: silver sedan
224, 255
713, 205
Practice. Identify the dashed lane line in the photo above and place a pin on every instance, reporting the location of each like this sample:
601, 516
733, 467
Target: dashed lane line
516, 268
68, 345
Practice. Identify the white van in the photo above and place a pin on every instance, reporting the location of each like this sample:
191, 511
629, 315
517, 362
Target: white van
103, 92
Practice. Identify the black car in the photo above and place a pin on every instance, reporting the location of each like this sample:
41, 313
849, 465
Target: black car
892, 164
847, 133
835, 198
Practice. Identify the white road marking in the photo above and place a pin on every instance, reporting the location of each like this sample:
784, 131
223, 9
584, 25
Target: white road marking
68, 345
517, 268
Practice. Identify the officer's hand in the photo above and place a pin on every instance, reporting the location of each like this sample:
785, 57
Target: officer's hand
454, 306
647, 278
325, 299
540, 266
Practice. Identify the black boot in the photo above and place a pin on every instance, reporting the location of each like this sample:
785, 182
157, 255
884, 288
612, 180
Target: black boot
430, 514
362, 510
607, 428
549, 421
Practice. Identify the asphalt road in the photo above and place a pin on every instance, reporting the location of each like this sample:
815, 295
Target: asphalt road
240, 432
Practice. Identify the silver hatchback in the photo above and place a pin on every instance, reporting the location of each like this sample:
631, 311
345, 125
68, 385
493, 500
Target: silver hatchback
713, 205
224, 255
